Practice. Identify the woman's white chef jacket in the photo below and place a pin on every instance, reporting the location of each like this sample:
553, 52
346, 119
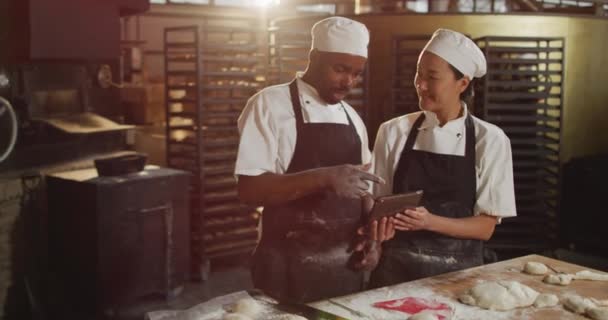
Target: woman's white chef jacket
493, 161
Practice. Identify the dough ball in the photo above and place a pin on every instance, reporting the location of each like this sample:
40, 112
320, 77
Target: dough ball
546, 300
589, 275
467, 299
424, 315
500, 295
236, 316
535, 268
561, 279
248, 307
598, 313
577, 304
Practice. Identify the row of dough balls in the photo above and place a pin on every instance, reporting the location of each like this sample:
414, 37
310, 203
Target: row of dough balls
507, 295
563, 279
588, 307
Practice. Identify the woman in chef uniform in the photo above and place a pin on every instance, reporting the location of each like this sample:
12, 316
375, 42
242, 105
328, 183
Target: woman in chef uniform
462, 163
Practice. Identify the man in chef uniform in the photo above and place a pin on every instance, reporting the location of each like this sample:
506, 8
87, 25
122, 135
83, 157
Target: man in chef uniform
304, 156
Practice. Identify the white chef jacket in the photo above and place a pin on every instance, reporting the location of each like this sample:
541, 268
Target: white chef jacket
267, 127
493, 160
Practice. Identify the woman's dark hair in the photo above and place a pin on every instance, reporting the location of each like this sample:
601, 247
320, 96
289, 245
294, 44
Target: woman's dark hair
467, 94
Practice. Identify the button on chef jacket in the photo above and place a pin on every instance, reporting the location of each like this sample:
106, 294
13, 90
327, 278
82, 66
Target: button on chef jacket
267, 127
493, 160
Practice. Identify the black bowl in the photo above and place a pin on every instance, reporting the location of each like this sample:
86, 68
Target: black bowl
120, 165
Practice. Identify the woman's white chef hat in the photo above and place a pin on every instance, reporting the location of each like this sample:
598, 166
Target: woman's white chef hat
342, 35
459, 51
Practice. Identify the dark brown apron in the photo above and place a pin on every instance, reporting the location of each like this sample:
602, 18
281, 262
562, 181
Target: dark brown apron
450, 189
303, 252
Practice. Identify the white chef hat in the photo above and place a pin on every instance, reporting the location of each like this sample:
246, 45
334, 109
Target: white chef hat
459, 51
339, 34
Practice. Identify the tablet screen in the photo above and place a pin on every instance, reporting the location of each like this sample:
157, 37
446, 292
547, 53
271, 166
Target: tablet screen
390, 205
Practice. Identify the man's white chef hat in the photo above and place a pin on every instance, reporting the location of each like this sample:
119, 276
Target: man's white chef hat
459, 51
342, 35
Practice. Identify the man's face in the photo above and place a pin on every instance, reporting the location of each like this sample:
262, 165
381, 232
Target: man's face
337, 74
436, 83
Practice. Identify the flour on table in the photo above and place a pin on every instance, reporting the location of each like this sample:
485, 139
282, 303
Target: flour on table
424, 315
535, 268
500, 295
248, 307
363, 303
590, 275
562, 279
546, 300
208, 310
234, 306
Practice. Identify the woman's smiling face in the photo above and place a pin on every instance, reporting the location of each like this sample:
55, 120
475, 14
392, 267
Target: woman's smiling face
436, 83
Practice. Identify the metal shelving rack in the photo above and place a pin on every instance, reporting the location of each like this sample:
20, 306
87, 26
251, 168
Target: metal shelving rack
288, 54
522, 94
406, 49
211, 70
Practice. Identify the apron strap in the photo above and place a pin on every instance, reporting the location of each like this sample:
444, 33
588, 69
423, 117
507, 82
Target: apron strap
403, 165
295, 103
469, 154
411, 138
350, 121
297, 107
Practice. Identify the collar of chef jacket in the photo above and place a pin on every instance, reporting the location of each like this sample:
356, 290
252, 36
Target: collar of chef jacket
455, 126
308, 94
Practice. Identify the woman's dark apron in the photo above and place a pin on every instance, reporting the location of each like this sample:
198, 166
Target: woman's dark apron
302, 255
449, 184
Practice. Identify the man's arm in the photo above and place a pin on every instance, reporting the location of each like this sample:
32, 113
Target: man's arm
348, 181
271, 188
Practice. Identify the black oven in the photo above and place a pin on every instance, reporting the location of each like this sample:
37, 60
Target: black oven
54, 56
62, 113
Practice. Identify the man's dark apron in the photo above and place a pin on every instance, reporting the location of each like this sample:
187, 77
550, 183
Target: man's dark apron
302, 255
449, 184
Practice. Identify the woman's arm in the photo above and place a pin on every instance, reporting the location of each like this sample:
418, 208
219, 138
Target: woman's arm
480, 227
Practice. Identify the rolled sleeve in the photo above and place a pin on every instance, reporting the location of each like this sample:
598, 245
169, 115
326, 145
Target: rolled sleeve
381, 163
258, 145
495, 188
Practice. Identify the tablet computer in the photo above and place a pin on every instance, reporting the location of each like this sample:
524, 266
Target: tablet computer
390, 205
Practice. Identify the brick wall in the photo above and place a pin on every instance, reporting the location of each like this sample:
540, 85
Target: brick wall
11, 194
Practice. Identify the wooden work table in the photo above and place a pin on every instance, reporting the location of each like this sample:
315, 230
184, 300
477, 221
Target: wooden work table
447, 287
